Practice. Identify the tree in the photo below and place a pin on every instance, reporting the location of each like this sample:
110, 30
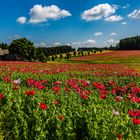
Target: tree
82, 53
101, 51
57, 50
68, 55
55, 56
79, 53
74, 53
22, 47
4, 46
52, 58
61, 56
48, 59
131, 43
40, 56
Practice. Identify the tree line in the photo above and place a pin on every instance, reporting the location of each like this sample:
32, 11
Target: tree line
28, 52
91, 49
131, 43
56, 50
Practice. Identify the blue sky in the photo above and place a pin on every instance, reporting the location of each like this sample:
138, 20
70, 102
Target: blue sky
80, 23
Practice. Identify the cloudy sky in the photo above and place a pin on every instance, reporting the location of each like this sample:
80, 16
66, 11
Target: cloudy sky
80, 23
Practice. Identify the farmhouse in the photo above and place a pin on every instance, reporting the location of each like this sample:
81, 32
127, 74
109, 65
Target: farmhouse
5, 55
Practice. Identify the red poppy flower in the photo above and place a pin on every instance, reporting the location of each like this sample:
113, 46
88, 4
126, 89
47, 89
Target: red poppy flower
27, 93
134, 113
135, 121
67, 89
60, 117
1, 96
43, 106
138, 89
118, 98
137, 99
30, 81
99, 86
83, 96
40, 86
119, 136
132, 84
102, 96
56, 102
113, 91
44, 81
15, 87
103, 91
56, 88
87, 92
57, 83
131, 113
31, 92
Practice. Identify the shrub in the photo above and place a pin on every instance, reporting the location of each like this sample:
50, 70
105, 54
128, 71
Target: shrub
52, 58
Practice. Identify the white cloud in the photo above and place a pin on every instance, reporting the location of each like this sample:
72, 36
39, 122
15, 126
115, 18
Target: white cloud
87, 43
98, 12
98, 33
68, 44
42, 44
113, 34
76, 44
56, 44
39, 13
35, 21
90, 42
124, 23
135, 14
111, 42
21, 20
113, 18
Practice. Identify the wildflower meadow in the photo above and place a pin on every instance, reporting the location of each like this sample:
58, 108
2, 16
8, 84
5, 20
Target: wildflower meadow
42, 101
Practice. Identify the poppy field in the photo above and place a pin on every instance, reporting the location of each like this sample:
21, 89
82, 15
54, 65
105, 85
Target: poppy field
119, 56
40, 101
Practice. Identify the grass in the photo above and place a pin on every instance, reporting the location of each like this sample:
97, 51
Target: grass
77, 56
106, 57
135, 66
130, 58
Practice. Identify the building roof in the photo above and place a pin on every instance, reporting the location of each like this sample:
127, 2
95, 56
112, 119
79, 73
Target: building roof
3, 52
